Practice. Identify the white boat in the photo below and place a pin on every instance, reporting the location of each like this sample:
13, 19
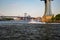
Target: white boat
36, 22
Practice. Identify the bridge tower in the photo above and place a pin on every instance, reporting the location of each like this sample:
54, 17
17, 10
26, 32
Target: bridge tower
48, 13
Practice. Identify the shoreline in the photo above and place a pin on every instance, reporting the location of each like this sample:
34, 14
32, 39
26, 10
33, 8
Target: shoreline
20, 22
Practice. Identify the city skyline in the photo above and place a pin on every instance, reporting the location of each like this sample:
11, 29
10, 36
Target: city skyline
35, 8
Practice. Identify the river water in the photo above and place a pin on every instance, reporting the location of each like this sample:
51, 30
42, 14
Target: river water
30, 32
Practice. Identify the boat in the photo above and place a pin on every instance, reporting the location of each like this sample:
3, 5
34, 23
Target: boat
36, 22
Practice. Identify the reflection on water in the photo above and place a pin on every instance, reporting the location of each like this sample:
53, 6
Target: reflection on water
30, 32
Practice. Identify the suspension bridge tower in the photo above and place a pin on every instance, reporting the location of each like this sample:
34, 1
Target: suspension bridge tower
48, 13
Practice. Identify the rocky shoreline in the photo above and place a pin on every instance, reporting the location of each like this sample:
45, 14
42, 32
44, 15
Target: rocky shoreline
30, 32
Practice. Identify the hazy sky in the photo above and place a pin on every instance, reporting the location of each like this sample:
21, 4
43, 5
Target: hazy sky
31, 7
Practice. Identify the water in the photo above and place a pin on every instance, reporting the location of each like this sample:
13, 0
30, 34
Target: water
30, 32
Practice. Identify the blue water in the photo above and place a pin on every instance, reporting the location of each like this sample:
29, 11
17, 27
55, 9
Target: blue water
30, 32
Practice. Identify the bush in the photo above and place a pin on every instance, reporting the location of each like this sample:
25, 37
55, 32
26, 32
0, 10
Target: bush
57, 17
4, 19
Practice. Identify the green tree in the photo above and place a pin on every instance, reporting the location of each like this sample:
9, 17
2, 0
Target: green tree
57, 17
4, 19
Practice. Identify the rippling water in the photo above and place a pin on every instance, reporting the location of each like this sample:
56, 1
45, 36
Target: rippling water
30, 32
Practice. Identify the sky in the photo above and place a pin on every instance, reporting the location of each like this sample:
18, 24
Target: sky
35, 8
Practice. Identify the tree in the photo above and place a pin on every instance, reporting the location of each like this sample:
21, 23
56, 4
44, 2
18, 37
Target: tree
57, 17
6, 19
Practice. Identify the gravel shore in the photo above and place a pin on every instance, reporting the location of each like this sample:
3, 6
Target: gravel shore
30, 32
